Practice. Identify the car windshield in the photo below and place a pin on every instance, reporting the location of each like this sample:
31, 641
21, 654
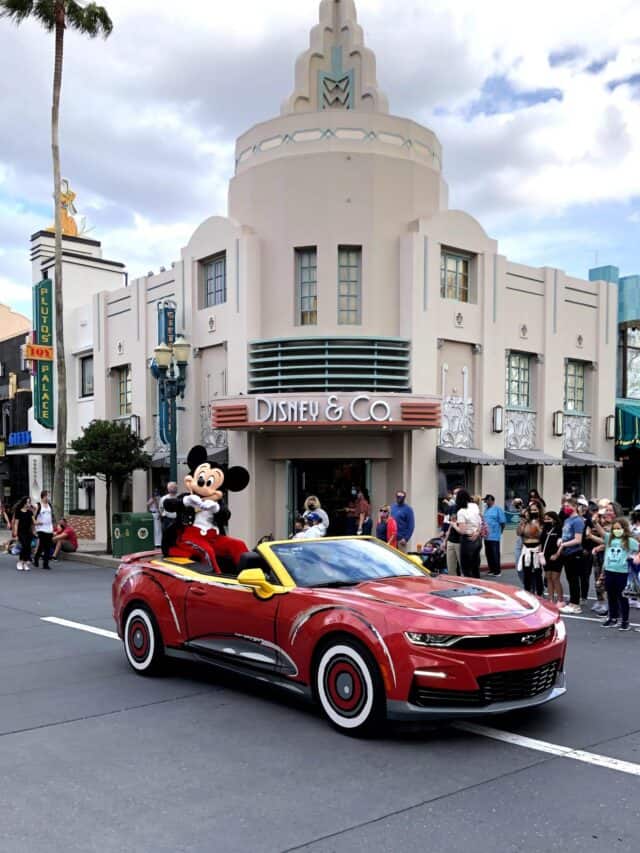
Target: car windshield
342, 562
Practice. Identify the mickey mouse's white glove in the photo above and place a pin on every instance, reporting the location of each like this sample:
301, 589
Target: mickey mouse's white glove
208, 504
194, 501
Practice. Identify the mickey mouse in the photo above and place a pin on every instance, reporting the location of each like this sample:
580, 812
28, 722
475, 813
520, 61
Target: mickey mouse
196, 534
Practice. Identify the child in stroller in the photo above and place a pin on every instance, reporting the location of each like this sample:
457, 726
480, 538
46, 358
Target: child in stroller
434, 556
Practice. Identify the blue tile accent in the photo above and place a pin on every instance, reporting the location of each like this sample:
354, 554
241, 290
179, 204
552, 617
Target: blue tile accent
19, 439
336, 86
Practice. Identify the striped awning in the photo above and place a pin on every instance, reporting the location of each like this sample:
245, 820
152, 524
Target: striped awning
465, 456
573, 458
530, 457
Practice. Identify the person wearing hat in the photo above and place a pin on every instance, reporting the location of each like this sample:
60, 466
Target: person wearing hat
315, 529
495, 519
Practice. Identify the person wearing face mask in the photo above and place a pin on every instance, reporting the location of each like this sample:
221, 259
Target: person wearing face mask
551, 535
404, 518
312, 504
619, 546
570, 552
529, 568
358, 513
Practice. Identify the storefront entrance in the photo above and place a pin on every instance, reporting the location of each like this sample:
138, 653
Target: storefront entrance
331, 480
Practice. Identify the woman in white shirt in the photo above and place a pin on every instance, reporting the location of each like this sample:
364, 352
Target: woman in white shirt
312, 504
468, 523
43, 518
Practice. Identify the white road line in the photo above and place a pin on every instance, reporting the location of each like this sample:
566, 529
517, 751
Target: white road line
101, 632
552, 748
597, 619
472, 728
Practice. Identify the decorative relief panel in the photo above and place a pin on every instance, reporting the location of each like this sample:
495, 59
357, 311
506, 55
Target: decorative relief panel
520, 430
213, 439
457, 422
577, 433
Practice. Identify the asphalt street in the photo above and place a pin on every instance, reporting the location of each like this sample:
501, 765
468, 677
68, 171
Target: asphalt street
96, 758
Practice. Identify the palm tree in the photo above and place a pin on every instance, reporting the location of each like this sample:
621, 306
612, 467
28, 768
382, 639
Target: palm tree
92, 20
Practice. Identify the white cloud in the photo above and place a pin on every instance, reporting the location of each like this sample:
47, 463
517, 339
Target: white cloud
150, 116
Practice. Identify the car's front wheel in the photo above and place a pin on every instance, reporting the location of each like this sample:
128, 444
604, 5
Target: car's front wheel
349, 687
142, 642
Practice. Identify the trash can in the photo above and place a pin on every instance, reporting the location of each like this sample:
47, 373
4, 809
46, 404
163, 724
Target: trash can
131, 532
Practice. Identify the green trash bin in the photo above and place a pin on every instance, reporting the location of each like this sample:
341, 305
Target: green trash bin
121, 534
131, 532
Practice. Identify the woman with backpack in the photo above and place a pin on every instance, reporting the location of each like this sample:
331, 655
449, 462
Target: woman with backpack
43, 519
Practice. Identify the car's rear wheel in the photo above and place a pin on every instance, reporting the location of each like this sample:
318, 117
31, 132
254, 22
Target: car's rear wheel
142, 642
349, 687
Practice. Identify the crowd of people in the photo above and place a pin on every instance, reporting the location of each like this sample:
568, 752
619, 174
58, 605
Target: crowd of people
395, 523
585, 539
35, 535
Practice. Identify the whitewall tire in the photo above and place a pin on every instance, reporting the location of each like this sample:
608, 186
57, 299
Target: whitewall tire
142, 642
349, 688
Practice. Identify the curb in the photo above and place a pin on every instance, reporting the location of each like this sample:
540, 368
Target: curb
100, 560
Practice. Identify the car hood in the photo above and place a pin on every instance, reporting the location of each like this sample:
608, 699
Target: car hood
444, 597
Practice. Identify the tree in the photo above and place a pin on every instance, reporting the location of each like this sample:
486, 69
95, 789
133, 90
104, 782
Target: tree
91, 20
110, 451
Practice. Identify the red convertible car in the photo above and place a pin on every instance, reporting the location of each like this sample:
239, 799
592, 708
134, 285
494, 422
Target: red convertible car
349, 623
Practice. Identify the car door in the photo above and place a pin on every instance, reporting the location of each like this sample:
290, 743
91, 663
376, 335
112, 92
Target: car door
229, 624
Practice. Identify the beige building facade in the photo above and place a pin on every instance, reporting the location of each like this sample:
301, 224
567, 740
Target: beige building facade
347, 327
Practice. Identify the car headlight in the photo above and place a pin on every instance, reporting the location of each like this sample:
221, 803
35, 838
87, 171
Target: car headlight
431, 639
561, 631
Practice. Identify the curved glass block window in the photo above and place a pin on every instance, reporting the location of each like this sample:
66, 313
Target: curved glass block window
574, 387
454, 276
329, 364
518, 386
307, 286
349, 284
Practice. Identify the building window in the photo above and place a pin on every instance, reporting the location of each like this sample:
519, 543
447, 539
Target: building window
454, 276
574, 387
86, 376
518, 381
349, 284
215, 280
307, 286
124, 390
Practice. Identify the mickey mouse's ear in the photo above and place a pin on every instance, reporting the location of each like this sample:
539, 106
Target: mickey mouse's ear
236, 479
197, 455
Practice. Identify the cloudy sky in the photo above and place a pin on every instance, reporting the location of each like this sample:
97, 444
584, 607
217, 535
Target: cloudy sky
537, 106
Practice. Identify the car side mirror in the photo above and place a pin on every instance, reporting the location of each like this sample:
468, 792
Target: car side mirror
417, 559
257, 581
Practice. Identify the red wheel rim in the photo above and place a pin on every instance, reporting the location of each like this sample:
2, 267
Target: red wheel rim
138, 639
344, 686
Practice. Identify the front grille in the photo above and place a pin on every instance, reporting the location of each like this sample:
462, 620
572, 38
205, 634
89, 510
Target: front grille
518, 683
498, 687
504, 641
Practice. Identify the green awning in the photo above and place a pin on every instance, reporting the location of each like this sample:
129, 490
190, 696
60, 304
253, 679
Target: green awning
627, 423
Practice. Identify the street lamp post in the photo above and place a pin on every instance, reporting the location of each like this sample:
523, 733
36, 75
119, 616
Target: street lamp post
169, 368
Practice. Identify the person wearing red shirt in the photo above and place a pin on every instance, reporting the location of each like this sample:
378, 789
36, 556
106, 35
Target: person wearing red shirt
64, 539
387, 529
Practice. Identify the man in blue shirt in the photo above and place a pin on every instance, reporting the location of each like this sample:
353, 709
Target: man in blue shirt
495, 519
570, 551
404, 518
